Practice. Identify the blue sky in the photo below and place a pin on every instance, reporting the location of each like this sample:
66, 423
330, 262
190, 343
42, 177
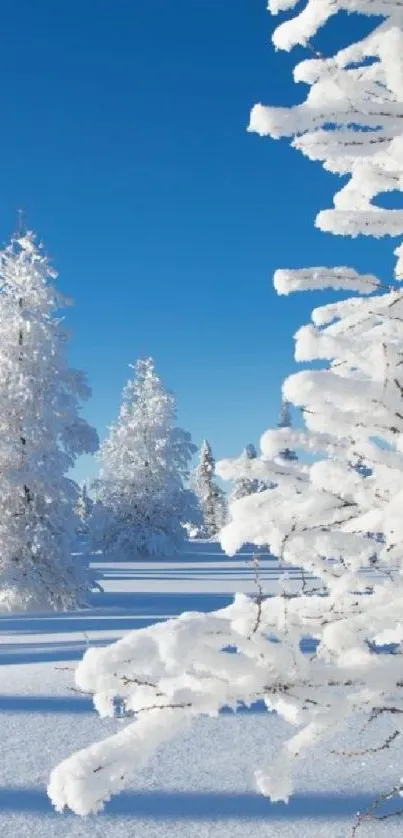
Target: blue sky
123, 138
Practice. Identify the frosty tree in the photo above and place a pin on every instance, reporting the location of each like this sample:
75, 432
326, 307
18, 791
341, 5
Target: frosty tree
144, 463
286, 422
211, 496
246, 485
344, 503
84, 508
41, 435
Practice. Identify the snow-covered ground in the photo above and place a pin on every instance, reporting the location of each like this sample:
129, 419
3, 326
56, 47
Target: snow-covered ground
201, 785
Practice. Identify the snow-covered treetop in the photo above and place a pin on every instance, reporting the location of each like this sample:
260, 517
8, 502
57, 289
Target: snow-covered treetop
145, 432
250, 451
352, 117
30, 304
207, 461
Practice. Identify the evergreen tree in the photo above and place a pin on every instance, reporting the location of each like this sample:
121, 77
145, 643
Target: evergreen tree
211, 497
246, 484
286, 422
41, 436
145, 459
84, 508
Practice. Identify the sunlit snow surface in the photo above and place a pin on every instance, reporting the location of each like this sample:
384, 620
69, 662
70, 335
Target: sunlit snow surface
200, 785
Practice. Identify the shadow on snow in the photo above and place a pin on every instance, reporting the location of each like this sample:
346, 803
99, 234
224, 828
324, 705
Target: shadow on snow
45, 704
202, 806
77, 704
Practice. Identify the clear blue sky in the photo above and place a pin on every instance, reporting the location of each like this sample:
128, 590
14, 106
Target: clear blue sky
123, 137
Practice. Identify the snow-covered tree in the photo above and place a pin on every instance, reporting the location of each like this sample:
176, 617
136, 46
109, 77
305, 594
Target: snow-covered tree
328, 505
193, 520
286, 422
142, 499
41, 436
246, 485
211, 497
84, 508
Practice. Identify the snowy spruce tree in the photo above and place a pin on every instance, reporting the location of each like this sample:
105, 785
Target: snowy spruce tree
84, 508
41, 434
349, 604
211, 497
246, 485
142, 498
286, 422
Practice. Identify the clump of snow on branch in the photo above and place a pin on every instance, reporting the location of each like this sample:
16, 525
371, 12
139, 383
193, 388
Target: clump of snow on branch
313, 279
41, 434
142, 498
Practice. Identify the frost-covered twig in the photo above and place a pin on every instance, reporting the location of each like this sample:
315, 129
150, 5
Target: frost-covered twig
371, 813
370, 750
255, 561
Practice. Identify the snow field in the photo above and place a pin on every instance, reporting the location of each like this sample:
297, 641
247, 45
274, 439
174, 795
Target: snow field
201, 784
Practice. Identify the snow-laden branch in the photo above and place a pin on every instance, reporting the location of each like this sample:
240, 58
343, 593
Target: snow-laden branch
352, 118
308, 279
167, 674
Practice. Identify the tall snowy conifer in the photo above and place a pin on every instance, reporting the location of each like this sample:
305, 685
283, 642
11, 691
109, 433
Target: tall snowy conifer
84, 508
144, 460
344, 503
211, 497
41, 435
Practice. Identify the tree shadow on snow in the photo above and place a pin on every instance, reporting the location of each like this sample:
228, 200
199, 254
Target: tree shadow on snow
115, 612
77, 704
162, 604
70, 650
44, 704
194, 551
191, 574
200, 806
118, 613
